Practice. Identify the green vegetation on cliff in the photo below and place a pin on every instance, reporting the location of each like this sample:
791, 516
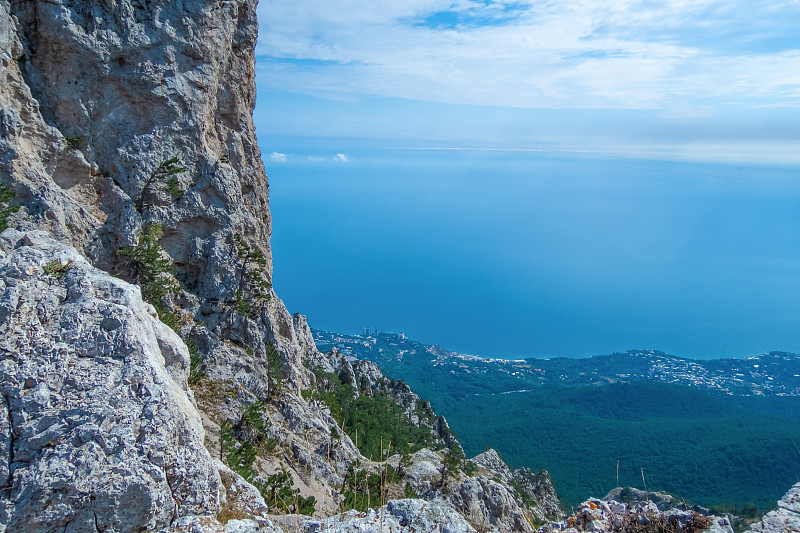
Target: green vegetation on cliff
374, 423
6, 195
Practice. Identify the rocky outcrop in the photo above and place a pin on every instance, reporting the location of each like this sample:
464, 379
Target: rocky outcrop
786, 518
539, 488
497, 499
614, 517
662, 500
489, 505
99, 431
401, 516
536, 487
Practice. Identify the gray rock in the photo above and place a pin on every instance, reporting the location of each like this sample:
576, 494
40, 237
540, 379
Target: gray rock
401, 516
242, 526
135, 84
491, 461
537, 486
662, 500
540, 489
98, 425
490, 506
786, 518
425, 470
610, 516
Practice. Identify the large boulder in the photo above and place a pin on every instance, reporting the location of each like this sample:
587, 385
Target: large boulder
97, 425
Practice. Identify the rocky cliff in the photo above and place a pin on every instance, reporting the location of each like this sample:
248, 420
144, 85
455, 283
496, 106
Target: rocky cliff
129, 156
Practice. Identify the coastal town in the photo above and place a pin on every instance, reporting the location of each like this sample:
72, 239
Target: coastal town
774, 373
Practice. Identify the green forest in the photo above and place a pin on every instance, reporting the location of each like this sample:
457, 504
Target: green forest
709, 450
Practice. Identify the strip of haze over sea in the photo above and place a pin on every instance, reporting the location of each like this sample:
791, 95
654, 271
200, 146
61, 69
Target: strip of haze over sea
514, 179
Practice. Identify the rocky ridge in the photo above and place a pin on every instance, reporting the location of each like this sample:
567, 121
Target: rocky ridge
127, 115
101, 432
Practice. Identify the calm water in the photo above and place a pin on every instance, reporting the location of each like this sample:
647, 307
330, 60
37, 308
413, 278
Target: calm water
534, 254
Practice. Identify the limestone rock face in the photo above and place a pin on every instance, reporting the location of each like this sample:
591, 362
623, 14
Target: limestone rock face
425, 471
401, 516
96, 95
491, 461
497, 500
489, 505
97, 422
786, 518
539, 488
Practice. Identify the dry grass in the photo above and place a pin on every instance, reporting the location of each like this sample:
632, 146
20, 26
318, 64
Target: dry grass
657, 523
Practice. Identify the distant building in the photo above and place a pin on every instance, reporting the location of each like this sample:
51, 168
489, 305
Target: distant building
367, 332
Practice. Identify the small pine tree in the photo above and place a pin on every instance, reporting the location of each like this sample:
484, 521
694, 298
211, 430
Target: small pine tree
153, 269
196, 372
274, 369
162, 177
405, 460
74, 143
253, 286
453, 459
6, 194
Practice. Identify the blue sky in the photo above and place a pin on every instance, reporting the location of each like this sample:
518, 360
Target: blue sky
700, 79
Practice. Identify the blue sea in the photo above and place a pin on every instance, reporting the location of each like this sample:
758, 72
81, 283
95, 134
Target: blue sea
514, 254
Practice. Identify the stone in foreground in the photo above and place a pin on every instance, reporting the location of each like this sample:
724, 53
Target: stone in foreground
98, 431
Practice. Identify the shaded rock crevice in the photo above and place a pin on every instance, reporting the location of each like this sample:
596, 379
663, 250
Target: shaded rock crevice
6, 447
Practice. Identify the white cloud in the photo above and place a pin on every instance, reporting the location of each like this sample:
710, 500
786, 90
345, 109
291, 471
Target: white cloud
338, 158
567, 54
277, 157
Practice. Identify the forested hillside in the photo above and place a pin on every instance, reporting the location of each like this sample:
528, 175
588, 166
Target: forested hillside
578, 417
